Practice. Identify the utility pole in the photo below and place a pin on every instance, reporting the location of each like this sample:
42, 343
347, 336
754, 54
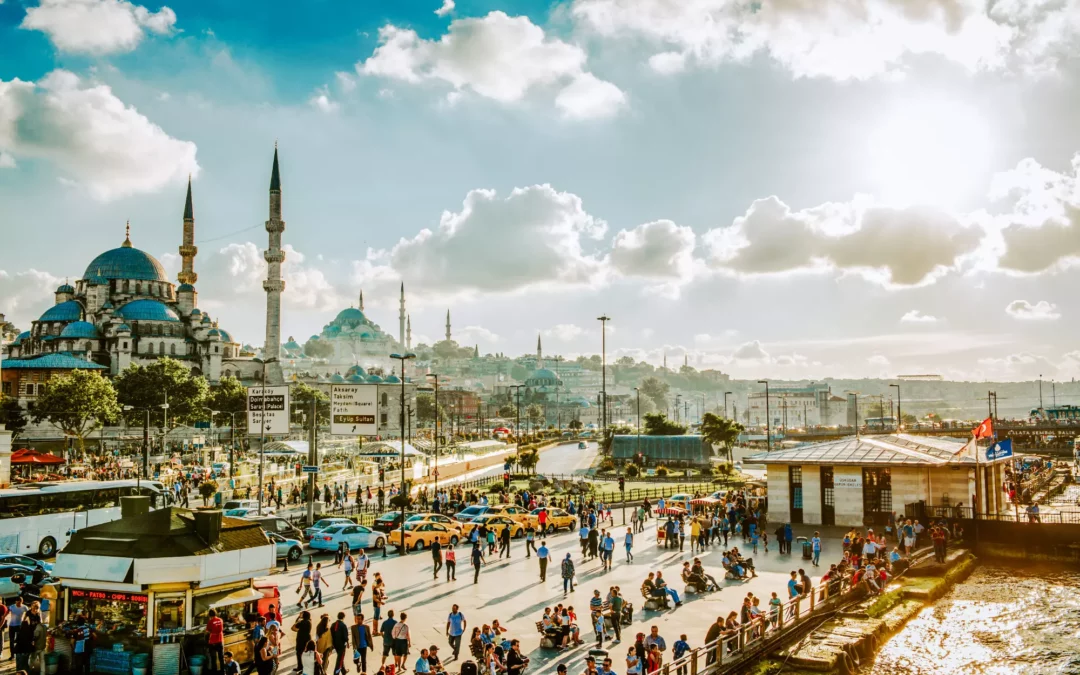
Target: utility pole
768, 422
313, 459
899, 415
603, 319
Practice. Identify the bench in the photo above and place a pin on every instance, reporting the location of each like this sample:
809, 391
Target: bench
545, 641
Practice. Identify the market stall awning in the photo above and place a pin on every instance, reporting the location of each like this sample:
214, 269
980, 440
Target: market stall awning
244, 595
704, 501
28, 456
669, 511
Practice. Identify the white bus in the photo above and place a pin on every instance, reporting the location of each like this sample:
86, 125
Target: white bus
38, 518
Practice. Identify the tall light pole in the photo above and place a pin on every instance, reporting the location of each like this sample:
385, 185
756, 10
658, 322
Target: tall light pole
1040, 393
603, 319
678, 397
726, 394
899, 416
262, 428
435, 377
517, 411
404, 494
558, 405
768, 422
144, 461
638, 394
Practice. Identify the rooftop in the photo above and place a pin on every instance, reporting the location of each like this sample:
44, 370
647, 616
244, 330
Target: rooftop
884, 450
57, 361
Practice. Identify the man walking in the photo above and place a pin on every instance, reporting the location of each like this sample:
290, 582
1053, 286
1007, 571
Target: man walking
816, 542
339, 637
361, 642
316, 582
567, 574
477, 561
544, 556
436, 558
504, 542
628, 542
455, 628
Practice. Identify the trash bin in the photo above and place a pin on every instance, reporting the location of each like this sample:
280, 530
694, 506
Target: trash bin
807, 548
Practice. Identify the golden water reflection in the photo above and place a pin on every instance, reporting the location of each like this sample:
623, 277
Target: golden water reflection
1002, 620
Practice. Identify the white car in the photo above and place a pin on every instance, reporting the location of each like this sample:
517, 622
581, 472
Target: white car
247, 513
324, 523
252, 504
356, 536
286, 548
11, 579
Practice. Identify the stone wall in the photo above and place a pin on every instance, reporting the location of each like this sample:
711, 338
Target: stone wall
849, 500
779, 501
811, 491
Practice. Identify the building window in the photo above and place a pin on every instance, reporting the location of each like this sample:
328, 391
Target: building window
172, 349
828, 496
161, 347
796, 493
877, 496
125, 344
149, 347
385, 399
6, 388
382, 419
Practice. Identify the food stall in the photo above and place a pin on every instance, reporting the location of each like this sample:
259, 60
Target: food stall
147, 582
661, 520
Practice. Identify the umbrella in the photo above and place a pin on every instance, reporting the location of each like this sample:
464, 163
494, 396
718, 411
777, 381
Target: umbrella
27, 456
669, 511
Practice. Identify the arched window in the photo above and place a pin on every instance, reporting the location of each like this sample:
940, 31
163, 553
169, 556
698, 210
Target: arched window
161, 346
149, 347
385, 399
138, 288
172, 349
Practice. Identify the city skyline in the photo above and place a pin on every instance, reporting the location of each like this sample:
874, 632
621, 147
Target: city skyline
768, 205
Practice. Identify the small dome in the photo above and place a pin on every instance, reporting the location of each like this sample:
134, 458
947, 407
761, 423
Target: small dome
196, 312
225, 337
147, 310
291, 345
214, 332
107, 305
355, 370
336, 378
126, 263
206, 318
185, 288
313, 337
356, 379
392, 379
123, 328
64, 311
20, 337
65, 288
80, 329
374, 379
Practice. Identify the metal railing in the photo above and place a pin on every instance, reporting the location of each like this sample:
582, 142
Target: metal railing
739, 643
1018, 515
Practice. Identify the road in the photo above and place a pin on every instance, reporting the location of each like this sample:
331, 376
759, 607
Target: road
565, 458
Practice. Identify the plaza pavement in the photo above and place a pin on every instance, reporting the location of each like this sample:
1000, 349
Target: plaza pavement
511, 591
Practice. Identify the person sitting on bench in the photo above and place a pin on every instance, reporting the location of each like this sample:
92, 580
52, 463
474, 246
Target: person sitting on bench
651, 592
662, 587
745, 563
698, 571
732, 567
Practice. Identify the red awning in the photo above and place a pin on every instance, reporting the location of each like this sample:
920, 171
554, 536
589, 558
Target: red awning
670, 512
704, 501
28, 456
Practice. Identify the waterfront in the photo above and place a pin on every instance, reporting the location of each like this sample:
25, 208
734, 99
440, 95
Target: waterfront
1003, 619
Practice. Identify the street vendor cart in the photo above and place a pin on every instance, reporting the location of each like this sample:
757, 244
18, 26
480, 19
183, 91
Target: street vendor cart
661, 520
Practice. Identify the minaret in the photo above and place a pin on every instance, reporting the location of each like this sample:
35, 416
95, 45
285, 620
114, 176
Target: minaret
448, 325
539, 353
685, 360
361, 307
408, 332
187, 247
665, 360
274, 284
401, 316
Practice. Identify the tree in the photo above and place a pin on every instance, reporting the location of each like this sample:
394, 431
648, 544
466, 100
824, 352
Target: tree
12, 416
657, 424
508, 410
207, 488
720, 431
425, 409
303, 395
163, 380
535, 413
229, 396
319, 349
518, 372
908, 420
527, 460
576, 425
656, 391
78, 404
626, 361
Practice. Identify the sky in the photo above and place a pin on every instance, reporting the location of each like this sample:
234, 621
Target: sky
772, 188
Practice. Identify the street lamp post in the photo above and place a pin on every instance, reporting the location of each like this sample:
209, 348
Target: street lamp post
144, 460
899, 416
435, 377
768, 422
603, 319
404, 495
262, 429
726, 394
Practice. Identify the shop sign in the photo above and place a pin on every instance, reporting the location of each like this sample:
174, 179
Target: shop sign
847, 482
108, 596
999, 450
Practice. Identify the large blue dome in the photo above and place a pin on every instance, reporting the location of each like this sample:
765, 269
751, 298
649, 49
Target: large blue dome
65, 311
350, 317
147, 310
126, 263
80, 329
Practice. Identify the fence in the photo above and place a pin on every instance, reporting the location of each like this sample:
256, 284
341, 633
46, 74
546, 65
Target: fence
738, 643
922, 512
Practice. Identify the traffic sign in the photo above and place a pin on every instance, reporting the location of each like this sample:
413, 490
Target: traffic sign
311, 469
353, 408
268, 410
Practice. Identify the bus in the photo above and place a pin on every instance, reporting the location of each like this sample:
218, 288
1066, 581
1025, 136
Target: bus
38, 518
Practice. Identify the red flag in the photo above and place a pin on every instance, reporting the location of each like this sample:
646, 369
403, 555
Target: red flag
984, 430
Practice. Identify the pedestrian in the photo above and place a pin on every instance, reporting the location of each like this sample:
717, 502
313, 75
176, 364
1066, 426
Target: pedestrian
402, 641
451, 565
316, 584
655, 640
436, 558
583, 536
530, 543
504, 542
816, 542
678, 650
615, 600
350, 564
628, 542
567, 574
544, 556
339, 637
16, 612
302, 628
386, 630
361, 643
455, 628
477, 561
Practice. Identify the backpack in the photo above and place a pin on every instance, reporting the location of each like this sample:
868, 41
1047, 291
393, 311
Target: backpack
469, 668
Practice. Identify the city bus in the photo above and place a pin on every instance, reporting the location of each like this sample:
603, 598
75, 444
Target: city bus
38, 518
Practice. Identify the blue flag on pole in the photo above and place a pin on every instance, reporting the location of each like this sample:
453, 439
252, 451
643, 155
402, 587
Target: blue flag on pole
999, 450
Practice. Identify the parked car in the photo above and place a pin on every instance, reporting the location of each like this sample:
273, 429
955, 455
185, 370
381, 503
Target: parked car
286, 548
434, 518
681, 501
497, 523
516, 513
278, 525
25, 561
582, 445
468, 513
246, 513
421, 533
252, 504
557, 519
389, 521
11, 579
356, 536
324, 523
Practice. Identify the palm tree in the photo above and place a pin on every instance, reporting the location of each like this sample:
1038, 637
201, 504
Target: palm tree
720, 431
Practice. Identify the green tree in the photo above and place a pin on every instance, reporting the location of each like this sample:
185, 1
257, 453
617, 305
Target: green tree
508, 410
302, 395
658, 424
518, 372
319, 349
425, 409
720, 432
12, 416
656, 391
527, 461
163, 380
78, 404
207, 488
908, 420
535, 413
229, 396
576, 425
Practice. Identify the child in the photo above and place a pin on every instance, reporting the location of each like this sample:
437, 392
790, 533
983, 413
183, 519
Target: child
231, 666
598, 626
754, 539
679, 650
774, 609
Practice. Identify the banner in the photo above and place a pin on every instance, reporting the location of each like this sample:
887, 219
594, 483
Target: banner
999, 450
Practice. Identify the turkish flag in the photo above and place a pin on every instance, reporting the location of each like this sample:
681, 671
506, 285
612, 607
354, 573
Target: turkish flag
984, 430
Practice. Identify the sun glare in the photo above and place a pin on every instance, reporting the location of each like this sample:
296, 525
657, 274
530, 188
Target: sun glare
929, 153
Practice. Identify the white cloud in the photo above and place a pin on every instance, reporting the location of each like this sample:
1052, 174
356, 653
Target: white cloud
470, 335
533, 236
97, 26
320, 100
840, 39
26, 295
499, 57
92, 136
1040, 311
1043, 230
878, 360
565, 332
915, 316
7, 161
1019, 366
660, 250
751, 351
346, 82
447, 7
891, 246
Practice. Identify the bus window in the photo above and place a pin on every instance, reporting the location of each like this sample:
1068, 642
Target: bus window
104, 499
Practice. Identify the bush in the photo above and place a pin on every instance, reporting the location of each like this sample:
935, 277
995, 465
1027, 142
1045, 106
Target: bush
207, 488
633, 471
495, 486
661, 470
607, 465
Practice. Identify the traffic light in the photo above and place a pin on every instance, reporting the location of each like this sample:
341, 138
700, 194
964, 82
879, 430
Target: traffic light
622, 484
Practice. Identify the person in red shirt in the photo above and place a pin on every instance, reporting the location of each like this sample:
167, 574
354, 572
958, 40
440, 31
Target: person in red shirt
215, 631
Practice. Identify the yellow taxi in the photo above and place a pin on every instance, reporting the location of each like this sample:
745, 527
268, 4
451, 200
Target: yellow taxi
557, 519
515, 513
434, 518
421, 534
493, 522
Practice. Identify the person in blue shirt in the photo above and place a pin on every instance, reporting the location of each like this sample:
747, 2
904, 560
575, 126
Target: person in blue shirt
816, 541
679, 650
544, 556
422, 664
608, 546
628, 542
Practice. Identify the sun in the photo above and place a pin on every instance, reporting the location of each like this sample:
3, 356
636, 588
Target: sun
929, 152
